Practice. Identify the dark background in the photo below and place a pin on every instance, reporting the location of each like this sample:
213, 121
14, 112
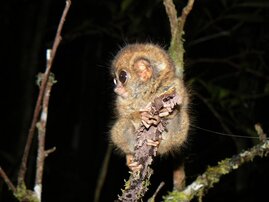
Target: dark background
227, 43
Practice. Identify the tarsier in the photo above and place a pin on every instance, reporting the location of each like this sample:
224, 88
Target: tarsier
141, 73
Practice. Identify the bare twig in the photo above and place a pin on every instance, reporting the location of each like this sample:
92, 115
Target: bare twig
57, 40
102, 175
179, 177
185, 12
262, 135
172, 16
7, 180
49, 151
152, 199
212, 174
41, 125
137, 185
21, 192
177, 23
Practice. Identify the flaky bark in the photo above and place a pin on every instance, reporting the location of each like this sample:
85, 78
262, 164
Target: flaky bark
137, 185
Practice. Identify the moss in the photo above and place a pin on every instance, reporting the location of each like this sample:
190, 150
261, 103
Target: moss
176, 196
23, 194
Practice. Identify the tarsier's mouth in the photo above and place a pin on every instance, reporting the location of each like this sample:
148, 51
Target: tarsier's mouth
124, 95
121, 94
120, 90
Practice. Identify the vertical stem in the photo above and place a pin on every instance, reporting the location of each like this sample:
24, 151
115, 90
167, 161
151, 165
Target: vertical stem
56, 43
102, 175
41, 153
176, 49
7, 180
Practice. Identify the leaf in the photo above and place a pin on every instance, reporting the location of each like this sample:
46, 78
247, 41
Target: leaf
125, 4
223, 93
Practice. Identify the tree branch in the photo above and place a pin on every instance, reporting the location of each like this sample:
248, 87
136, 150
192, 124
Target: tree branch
41, 125
213, 174
152, 199
21, 192
261, 134
57, 40
103, 173
176, 49
7, 180
137, 185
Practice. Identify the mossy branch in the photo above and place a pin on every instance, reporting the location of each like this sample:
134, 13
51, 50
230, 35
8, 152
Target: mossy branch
213, 174
176, 49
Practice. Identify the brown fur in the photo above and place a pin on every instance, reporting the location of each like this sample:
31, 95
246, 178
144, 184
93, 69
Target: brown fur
150, 73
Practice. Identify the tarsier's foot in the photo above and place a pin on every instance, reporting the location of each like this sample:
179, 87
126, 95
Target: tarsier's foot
176, 100
147, 118
165, 111
133, 165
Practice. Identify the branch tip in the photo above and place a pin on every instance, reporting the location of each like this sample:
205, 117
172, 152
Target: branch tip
7, 180
261, 134
49, 151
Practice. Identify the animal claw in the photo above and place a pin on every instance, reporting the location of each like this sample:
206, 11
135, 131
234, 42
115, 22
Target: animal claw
149, 119
153, 143
134, 166
165, 112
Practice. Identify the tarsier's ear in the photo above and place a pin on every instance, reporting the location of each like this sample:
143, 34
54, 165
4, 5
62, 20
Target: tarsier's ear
143, 69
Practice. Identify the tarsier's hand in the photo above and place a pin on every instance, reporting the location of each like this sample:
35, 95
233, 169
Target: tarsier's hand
132, 165
148, 118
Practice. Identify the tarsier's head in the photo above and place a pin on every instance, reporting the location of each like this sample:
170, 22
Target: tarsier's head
137, 68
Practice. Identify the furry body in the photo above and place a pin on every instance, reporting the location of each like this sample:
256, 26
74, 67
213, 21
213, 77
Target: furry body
143, 72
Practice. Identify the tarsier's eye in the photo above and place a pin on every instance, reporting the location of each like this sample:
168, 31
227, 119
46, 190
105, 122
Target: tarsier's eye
115, 81
123, 76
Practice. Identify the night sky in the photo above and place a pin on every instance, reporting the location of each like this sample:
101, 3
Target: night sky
226, 71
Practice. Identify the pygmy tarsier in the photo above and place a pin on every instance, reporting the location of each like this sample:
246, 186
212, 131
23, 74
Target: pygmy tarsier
141, 73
